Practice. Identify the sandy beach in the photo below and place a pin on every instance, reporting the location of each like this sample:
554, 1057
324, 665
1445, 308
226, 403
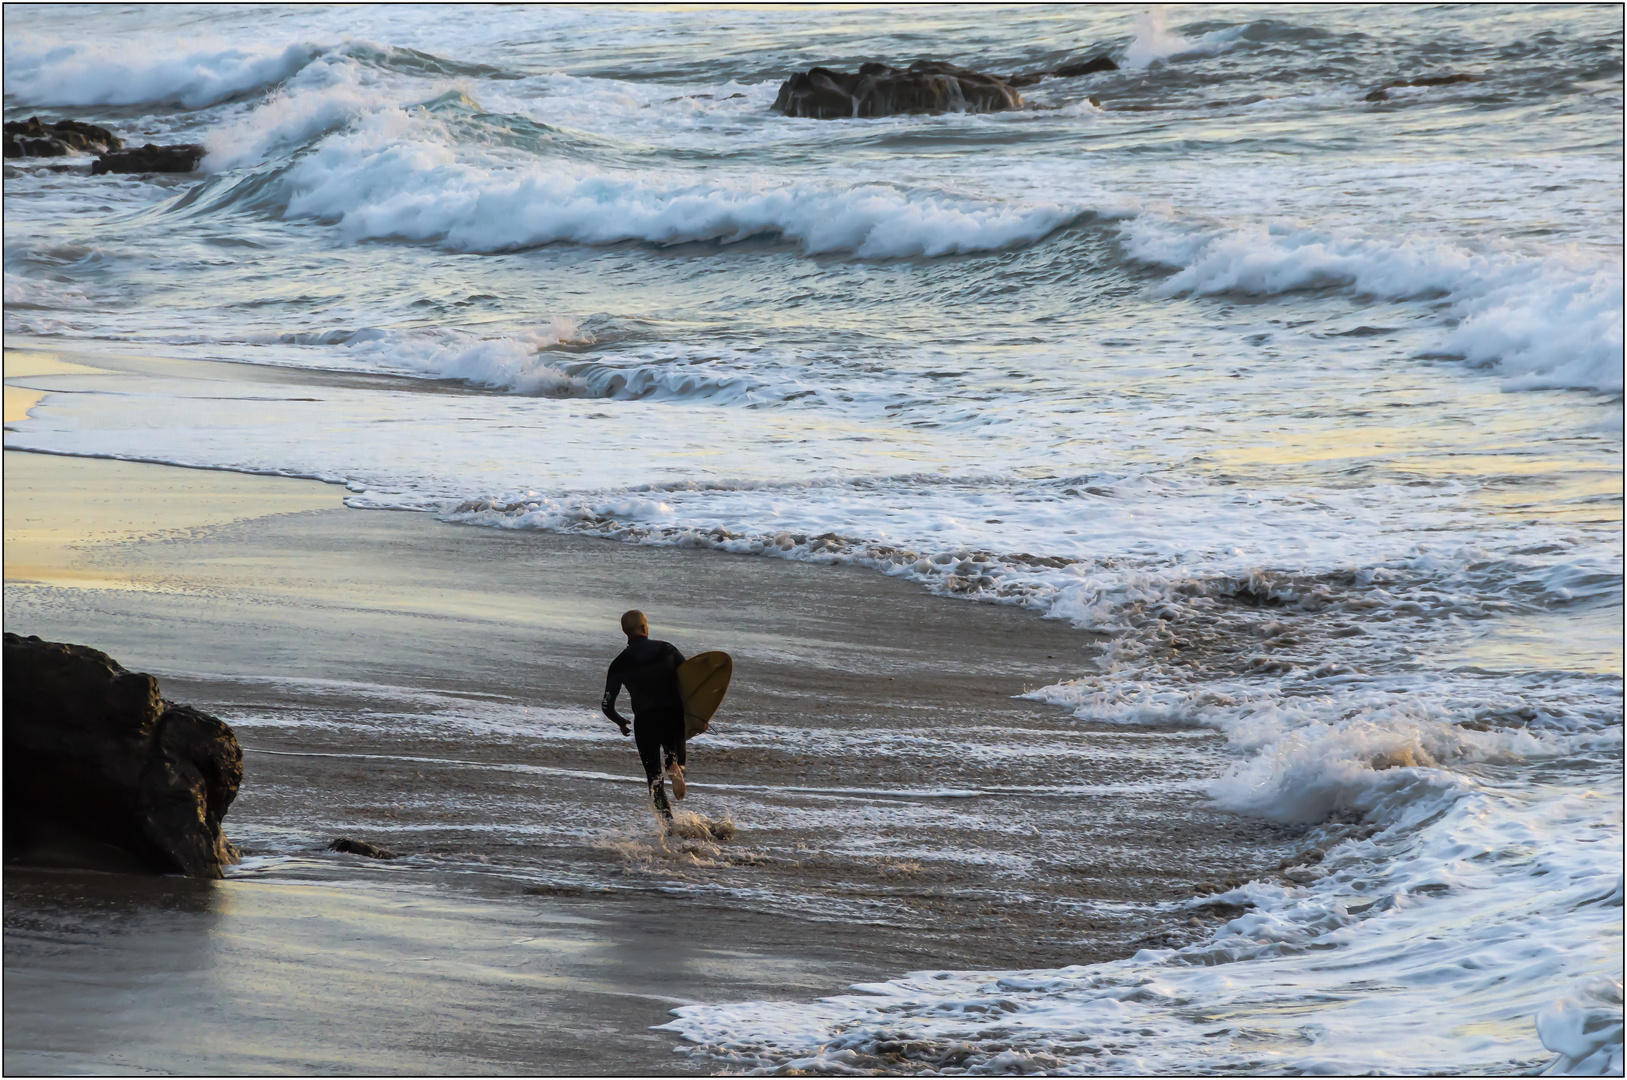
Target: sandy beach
538, 920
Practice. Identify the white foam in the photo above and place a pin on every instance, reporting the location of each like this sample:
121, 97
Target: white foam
1312, 744
510, 362
1551, 320
47, 294
294, 116
398, 177
195, 72
1457, 933
1585, 1028
1155, 43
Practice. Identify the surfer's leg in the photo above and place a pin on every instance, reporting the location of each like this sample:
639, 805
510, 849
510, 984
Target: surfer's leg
676, 771
649, 752
675, 756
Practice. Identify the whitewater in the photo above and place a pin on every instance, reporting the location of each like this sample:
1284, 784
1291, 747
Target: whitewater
1307, 406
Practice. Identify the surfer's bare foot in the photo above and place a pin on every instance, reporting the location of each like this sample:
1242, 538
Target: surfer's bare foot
678, 785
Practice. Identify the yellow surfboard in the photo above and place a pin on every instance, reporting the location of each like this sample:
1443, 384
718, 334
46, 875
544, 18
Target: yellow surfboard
702, 682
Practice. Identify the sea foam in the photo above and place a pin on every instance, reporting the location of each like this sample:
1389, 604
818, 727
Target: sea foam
1156, 43
1440, 929
1543, 321
194, 73
392, 178
511, 362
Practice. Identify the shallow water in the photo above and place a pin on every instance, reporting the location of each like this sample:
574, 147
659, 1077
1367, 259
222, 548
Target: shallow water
1311, 405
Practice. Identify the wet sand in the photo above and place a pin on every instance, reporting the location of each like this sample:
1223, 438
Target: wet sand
434, 687
106, 973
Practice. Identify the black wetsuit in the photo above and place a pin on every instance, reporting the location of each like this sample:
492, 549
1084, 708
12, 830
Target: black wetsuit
649, 671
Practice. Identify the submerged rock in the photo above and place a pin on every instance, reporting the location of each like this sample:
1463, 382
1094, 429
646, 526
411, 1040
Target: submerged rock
102, 772
33, 138
149, 159
1383, 92
360, 847
1066, 71
926, 86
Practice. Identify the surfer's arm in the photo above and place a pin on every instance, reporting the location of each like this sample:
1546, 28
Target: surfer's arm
612, 690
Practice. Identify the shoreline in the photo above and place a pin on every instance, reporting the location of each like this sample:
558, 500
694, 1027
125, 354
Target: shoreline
434, 688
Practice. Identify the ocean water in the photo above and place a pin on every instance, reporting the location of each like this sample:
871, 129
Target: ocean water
1311, 404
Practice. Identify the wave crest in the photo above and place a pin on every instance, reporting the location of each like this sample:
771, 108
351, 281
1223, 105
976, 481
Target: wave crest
193, 72
390, 180
1546, 322
40, 72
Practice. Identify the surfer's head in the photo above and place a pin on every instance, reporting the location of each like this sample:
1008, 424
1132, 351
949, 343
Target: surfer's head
634, 624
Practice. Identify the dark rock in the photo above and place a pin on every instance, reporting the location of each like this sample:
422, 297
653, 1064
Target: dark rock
1066, 71
21, 146
87, 138
1089, 67
32, 138
150, 159
360, 847
100, 771
1221, 909
926, 86
1383, 92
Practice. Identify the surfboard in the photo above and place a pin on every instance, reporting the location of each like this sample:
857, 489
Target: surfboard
702, 682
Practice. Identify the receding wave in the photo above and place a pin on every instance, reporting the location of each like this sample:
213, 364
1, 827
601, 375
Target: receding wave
544, 362
1396, 893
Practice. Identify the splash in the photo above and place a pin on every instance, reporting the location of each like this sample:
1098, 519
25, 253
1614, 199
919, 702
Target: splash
1154, 41
692, 826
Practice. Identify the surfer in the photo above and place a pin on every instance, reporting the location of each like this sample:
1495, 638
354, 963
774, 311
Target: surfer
649, 671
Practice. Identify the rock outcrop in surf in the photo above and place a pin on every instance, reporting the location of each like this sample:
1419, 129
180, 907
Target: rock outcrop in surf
1066, 71
360, 847
926, 86
1382, 93
33, 138
102, 772
150, 159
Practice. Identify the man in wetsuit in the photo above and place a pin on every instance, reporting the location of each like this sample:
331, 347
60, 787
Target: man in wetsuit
649, 671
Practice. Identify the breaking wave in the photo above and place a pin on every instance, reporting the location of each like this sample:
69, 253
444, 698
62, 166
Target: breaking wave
1544, 322
386, 181
192, 73
1155, 43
